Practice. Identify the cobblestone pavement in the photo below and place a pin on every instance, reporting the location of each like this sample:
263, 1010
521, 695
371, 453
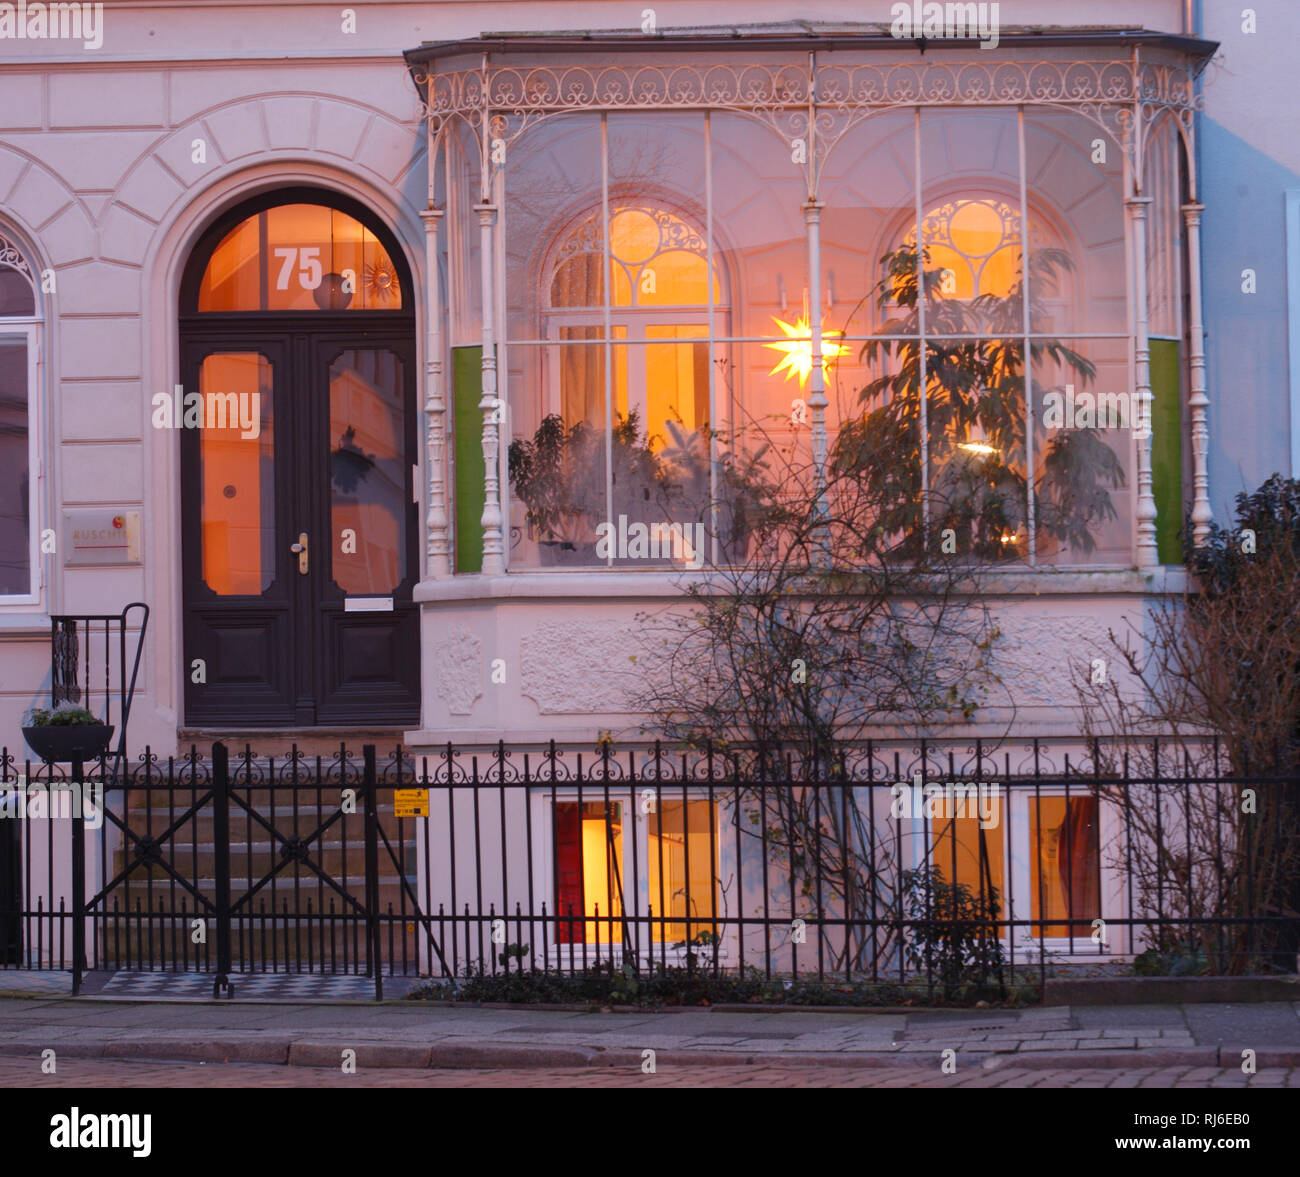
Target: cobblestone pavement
100, 1073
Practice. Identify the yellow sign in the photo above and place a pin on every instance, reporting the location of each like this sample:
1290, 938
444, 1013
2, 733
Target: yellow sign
411, 802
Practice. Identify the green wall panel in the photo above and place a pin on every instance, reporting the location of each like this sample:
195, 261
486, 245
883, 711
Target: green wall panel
467, 376
1167, 449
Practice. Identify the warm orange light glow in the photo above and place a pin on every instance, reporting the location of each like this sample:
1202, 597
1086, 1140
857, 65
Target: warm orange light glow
797, 346
977, 447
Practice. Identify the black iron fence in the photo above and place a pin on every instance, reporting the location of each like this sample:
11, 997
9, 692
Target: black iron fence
947, 864
221, 866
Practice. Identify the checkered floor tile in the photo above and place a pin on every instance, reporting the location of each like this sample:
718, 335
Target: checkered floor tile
289, 987
43, 981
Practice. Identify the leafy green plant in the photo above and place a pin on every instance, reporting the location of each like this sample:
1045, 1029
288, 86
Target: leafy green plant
560, 475
746, 499
976, 443
62, 715
1176, 960
512, 952
954, 938
657, 987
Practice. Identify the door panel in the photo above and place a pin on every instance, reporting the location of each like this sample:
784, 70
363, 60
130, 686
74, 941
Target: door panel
286, 523
368, 661
239, 598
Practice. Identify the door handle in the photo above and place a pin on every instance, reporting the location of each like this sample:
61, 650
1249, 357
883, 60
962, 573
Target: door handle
301, 548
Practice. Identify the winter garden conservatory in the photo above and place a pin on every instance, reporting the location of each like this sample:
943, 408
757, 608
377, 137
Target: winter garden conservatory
659, 238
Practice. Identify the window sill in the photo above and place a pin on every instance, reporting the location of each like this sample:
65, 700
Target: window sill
597, 583
22, 622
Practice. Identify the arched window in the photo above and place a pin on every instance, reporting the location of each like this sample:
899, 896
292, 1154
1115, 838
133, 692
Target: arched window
977, 245
658, 304
300, 257
20, 323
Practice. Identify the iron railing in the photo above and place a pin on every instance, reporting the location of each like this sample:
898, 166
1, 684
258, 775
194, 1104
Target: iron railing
938, 863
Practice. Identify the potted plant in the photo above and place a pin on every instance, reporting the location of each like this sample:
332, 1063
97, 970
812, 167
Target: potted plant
66, 732
560, 476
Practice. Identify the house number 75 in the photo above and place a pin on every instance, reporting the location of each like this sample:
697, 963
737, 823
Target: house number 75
309, 267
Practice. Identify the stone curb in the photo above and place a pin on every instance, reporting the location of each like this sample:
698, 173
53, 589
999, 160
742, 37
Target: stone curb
1168, 990
1230, 1056
1084, 1060
467, 1056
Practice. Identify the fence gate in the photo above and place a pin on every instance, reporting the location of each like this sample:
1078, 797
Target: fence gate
248, 867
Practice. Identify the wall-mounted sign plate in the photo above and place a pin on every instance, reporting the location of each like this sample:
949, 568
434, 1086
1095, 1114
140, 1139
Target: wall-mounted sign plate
101, 536
368, 605
411, 802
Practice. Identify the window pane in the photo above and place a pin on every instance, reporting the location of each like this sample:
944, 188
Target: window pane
16, 294
588, 872
15, 475
368, 491
1078, 275
237, 474
683, 843
1084, 423
971, 230
759, 237
961, 858
300, 257
1064, 840
869, 192
557, 457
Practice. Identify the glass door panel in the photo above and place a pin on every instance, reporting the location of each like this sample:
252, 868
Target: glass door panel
368, 489
237, 473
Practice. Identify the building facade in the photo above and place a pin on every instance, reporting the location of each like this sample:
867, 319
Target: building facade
397, 240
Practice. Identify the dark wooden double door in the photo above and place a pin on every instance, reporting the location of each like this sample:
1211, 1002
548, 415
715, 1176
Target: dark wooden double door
300, 530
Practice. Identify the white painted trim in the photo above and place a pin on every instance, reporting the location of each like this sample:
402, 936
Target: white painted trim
1293, 317
29, 330
162, 268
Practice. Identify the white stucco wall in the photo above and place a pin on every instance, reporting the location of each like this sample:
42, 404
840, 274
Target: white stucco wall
98, 177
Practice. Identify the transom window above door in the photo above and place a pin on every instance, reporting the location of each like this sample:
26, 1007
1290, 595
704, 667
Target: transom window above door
300, 257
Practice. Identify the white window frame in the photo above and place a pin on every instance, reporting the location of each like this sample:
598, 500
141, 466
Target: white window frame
638, 823
28, 328
1018, 855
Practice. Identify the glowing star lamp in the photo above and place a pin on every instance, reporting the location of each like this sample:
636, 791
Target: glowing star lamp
797, 349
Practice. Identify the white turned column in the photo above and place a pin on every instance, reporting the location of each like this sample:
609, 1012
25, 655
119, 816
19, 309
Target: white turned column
1147, 556
494, 563
1198, 402
817, 401
437, 522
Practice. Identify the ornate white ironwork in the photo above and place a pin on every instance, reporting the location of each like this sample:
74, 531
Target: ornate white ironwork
810, 100
12, 258
1197, 402
438, 521
811, 105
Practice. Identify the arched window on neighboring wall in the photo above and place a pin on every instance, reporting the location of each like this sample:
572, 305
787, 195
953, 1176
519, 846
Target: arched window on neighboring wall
20, 337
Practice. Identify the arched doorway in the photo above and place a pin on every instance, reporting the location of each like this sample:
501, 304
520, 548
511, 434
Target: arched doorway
297, 422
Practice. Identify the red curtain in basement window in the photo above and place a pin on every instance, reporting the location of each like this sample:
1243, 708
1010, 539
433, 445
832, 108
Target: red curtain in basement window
1077, 863
568, 873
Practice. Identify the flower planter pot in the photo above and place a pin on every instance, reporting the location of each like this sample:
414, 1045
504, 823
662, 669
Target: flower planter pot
62, 743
